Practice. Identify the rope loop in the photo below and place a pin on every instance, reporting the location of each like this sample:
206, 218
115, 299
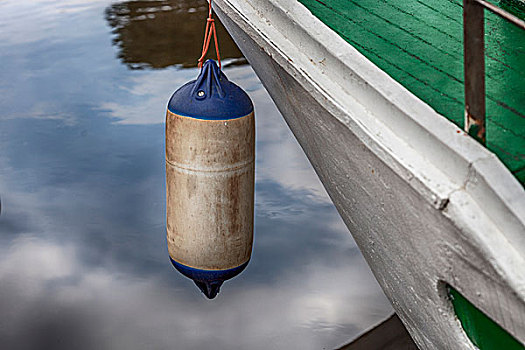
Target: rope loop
210, 29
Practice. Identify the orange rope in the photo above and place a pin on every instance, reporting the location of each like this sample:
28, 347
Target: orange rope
210, 29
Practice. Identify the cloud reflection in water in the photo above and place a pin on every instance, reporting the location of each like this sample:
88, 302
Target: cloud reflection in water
83, 261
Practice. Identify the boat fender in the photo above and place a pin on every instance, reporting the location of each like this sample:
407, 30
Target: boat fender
210, 167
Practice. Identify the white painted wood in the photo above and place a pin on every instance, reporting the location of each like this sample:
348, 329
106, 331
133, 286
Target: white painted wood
426, 204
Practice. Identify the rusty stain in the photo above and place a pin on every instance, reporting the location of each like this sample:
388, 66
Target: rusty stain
474, 63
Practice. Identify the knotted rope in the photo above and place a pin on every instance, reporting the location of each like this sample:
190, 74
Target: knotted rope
210, 29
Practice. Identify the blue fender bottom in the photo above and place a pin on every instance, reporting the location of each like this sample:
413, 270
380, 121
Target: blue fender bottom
208, 281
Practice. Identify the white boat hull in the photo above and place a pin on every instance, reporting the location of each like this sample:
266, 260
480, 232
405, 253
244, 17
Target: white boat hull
427, 205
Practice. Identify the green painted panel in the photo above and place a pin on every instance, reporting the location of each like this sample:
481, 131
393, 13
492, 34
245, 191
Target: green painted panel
481, 330
420, 44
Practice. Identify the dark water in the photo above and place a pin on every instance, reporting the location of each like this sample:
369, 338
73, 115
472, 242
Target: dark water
83, 260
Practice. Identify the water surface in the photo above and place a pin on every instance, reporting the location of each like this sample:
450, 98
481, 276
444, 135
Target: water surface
83, 258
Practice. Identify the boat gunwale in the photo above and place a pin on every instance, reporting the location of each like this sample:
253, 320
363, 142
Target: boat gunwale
469, 178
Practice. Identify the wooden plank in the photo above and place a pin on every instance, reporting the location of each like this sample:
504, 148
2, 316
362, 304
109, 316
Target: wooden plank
421, 45
388, 335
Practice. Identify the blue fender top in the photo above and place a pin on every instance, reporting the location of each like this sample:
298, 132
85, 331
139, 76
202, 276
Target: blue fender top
211, 97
